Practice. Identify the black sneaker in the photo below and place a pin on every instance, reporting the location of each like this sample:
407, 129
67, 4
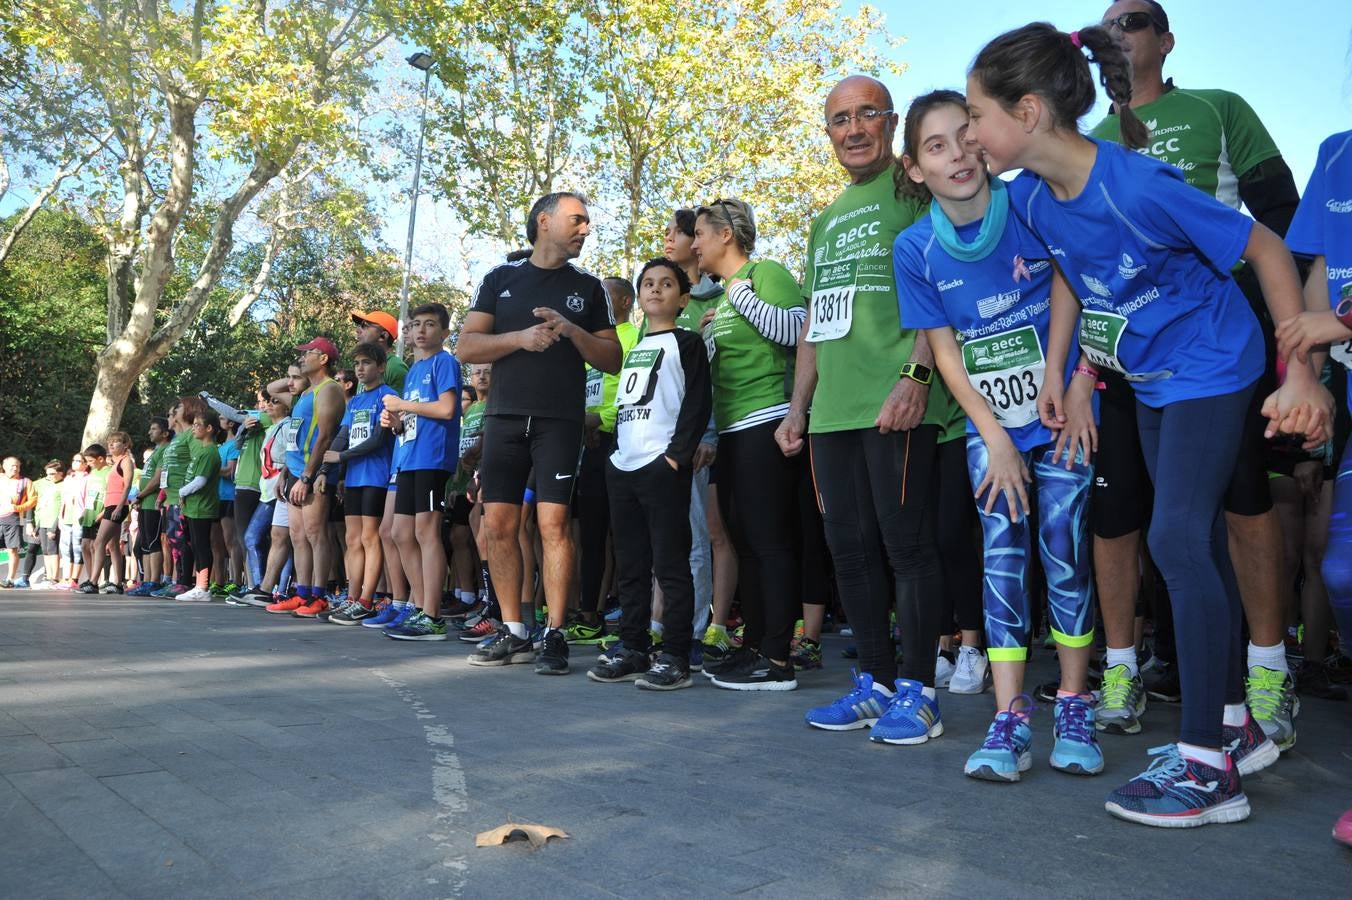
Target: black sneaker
1166, 687
553, 659
1313, 680
503, 650
624, 665
351, 614
667, 674
88, 588
757, 674
737, 656
1046, 692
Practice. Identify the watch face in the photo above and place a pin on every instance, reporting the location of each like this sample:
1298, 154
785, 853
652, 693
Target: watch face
1344, 307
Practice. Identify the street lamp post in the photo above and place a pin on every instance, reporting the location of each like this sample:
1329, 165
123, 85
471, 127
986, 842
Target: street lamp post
424, 62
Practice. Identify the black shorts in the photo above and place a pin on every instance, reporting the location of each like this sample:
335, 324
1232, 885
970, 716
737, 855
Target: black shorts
11, 533
227, 508
420, 491
89, 532
50, 539
460, 509
515, 444
1123, 493
368, 502
111, 514
148, 534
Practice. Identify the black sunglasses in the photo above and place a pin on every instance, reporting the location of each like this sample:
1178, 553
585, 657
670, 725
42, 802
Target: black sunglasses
1132, 22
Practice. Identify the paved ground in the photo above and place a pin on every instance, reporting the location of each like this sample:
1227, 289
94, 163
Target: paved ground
153, 749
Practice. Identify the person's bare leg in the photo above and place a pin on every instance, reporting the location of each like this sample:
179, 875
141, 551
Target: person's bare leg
556, 537
96, 553
219, 559
316, 516
354, 556
302, 557
1117, 574
1075, 667
1255, 550
1007, 676
427, 532
530, 560
278, 554
405, 537
117, 560
394, 566
371, 557
501, 526
725, 559
462, 558
813, 616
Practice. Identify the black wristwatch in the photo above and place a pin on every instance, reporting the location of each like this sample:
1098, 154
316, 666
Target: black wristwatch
917, 372
307, 480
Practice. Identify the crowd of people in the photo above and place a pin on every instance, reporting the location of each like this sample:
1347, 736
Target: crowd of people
1103, 358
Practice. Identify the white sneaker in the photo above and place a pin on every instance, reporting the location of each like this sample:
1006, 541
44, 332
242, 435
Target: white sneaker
196, 594
943, 671
969, 675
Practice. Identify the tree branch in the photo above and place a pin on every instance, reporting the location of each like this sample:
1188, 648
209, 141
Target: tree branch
45, 194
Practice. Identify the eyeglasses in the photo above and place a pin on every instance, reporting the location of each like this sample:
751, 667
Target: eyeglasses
1131, 22
869, 116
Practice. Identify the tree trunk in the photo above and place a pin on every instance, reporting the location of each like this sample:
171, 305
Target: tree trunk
112, 387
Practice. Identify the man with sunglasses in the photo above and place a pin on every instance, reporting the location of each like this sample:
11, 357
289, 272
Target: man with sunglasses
1221, 146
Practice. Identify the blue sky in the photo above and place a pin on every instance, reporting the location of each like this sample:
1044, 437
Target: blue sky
1289, 60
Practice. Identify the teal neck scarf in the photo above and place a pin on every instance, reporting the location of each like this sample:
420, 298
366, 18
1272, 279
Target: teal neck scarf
992, 227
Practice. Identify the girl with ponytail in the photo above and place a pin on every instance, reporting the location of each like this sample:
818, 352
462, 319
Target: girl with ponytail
1150, 258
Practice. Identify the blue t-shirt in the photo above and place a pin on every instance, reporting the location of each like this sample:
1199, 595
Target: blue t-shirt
430, 443
361, 419
1323, 226
300, 432
1150, 257
1000, 306
229, 450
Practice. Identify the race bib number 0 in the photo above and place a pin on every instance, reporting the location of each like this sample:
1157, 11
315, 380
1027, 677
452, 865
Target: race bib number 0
1007, 369
833, 302
360, 430
595, 387
1100, 333
636, 378
292, 430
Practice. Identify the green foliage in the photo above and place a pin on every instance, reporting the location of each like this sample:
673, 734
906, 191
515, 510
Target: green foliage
51, 319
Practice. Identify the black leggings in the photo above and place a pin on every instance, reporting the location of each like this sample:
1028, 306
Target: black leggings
959, 540
758, 491
875, 492
199, 533
592, 508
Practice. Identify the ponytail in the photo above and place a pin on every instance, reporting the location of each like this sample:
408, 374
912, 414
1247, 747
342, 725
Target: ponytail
1040, 59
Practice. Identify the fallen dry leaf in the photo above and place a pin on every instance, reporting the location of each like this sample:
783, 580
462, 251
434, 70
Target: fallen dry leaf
536, 834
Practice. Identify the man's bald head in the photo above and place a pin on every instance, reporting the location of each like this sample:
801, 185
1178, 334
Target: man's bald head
862, 125
855, 82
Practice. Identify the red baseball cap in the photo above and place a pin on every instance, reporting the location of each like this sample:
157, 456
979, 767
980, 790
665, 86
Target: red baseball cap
323, 345
381, 318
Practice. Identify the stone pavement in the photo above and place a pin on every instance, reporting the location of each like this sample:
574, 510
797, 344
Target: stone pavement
152, 748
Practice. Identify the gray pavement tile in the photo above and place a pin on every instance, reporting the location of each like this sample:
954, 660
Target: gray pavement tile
104, 756
165, 798
28, 753
37, 860
10, 725
54, 727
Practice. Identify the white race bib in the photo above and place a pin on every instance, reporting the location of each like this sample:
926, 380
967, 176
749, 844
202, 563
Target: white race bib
292, 429
360, 429
1341, 353
636, 378
1007, 369
595, 387
833, 302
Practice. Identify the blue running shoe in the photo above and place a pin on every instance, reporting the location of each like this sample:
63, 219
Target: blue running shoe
1006, 753
613, 616
911, 717
141, 590
1177, 792
697, 656
401, 616
860, 708
1076, 749
385, 616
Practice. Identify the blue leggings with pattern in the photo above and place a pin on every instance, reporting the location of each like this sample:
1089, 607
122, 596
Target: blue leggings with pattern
1063, 541
1337, 566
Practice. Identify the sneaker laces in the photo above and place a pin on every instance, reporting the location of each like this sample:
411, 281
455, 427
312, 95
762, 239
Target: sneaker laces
1167, 767
1001, 733
1073, 719
859, 694
966, 663
1116, 688
1266, 689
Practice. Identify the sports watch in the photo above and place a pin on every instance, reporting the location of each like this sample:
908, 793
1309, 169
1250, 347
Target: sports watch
1344, 309
917, 372
307, 480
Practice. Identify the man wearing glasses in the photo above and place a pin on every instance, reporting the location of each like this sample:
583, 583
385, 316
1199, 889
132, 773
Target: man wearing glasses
878, 411
1221, 146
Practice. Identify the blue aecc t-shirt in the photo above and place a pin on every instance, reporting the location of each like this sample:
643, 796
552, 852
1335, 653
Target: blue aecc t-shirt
228, 451
362, 419
1323, 226
430, 443
1000, 306
1150, 258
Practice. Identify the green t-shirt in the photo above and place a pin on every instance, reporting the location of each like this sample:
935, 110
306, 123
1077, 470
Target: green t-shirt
471, 426
47, 513
147, 490
699, 303
249, 469
175, 462
96, 486
860, 343
204, 460
750, 373
628, 334
1214, 137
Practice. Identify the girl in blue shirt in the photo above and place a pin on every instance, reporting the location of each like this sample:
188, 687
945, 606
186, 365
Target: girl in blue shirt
969, 272
1149, 258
